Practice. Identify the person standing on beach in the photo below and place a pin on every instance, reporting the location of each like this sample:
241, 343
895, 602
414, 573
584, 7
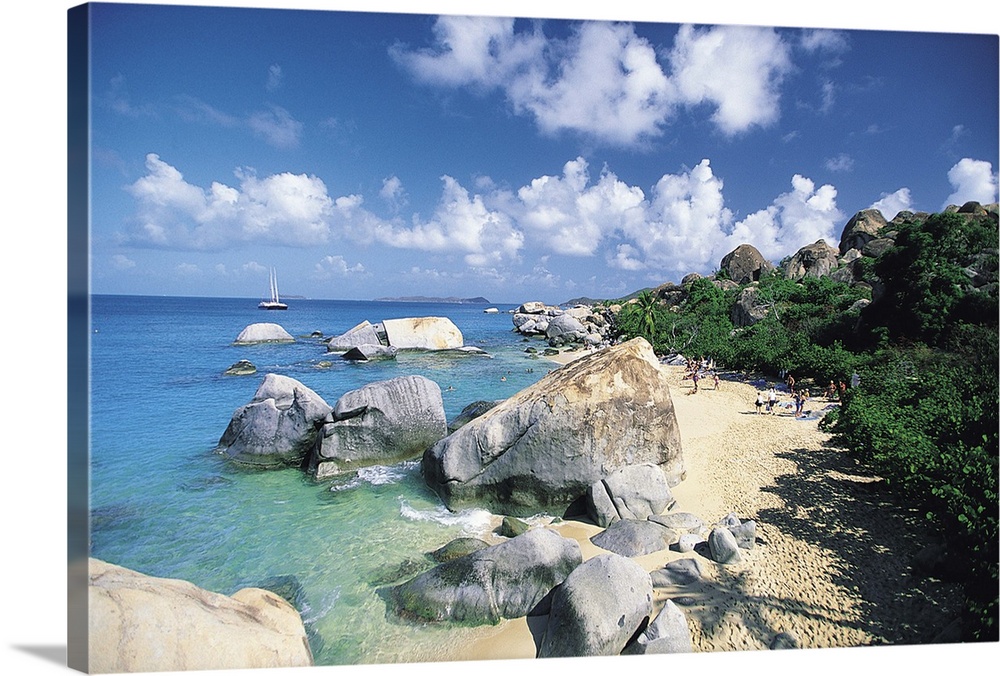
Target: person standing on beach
791, 384
759, 402
694, 378
772, 400
715, 377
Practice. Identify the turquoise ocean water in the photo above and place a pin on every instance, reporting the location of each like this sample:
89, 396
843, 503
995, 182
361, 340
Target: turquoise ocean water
163, 504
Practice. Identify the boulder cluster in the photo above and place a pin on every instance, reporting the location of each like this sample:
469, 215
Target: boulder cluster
600, 606
578, 325
865, 237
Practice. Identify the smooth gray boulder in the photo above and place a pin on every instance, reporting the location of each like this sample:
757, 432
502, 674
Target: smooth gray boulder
364, 333
600, 606
263, 332
140, 623
745, 264
629, 537
635, 492
504, 581
668, 633
818, 259
565, 327
723, 547
380, 423
863, 227
541, 449
278, 427
679, 521
677, 573
687, 542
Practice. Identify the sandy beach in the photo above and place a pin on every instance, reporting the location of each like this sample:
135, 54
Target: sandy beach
832, 560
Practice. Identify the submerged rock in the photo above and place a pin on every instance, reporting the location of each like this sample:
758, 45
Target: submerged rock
241, 368
141, 623
541, 449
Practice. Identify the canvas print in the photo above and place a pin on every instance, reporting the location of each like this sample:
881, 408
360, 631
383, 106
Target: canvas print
421, 338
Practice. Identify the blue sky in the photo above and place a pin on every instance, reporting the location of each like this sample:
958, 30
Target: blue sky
368, 154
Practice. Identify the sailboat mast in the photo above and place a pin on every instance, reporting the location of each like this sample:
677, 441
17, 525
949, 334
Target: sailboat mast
274, 283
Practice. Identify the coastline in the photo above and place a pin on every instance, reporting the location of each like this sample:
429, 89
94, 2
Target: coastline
832, 563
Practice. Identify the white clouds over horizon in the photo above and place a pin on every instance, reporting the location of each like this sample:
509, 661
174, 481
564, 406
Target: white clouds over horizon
604, 80
682, 225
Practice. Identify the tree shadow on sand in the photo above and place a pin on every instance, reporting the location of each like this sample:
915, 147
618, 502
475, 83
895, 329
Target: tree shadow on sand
833, 503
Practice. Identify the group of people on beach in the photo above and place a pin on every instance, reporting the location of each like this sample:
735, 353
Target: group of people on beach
767, 401
701, 369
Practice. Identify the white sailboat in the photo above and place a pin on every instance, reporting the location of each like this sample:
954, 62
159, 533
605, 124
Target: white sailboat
275, 302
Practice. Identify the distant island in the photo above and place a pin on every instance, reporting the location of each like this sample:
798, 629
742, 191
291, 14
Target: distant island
478, 300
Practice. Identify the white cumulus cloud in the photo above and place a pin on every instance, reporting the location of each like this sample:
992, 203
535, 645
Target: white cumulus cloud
973, 181
736, 69
330, 267
891, 204
462, 223
284, 208
604, 80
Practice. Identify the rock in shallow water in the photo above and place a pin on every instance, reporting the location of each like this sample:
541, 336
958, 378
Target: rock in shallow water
507, 580
380, 423
278, 427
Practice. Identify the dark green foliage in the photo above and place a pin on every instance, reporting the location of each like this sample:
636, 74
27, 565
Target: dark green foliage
925, 416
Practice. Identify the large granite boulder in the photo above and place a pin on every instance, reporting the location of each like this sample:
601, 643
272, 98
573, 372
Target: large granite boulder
278, 427
863, 227
541, 449
263, 332
422, 333
634, 492
566, 328
598, 608
364, 333
140, 623
503, 581
745, 264
380, 423
818, 259
668, 633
